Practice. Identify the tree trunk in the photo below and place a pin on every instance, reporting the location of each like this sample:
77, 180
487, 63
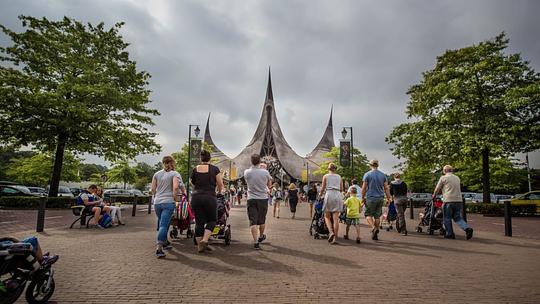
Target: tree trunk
124, 185
57, 168
485, 176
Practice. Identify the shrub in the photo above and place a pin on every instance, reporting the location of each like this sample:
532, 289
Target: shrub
29, 202
498, 209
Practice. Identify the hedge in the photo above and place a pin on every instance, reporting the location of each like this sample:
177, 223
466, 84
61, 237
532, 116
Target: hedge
31, 202
498, 209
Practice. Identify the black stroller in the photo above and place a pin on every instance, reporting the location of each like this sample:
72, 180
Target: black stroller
318, 225
432, 217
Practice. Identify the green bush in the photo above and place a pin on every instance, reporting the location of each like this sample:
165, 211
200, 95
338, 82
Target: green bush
498, 209
29, 202
141, 200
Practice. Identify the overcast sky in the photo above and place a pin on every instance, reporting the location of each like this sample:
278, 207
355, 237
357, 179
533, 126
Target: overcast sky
360, 56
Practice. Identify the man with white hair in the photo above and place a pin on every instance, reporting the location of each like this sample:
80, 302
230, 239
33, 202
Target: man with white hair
450, 185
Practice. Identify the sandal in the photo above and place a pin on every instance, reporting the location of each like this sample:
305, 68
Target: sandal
331, 238
201, 247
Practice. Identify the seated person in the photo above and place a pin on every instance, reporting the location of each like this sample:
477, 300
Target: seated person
94, 204
36, 250
116, 212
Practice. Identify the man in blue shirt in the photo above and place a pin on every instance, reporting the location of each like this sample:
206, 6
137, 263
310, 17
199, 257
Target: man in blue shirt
374, 188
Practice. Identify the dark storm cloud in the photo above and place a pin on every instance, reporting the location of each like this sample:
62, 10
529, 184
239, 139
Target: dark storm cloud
359, 56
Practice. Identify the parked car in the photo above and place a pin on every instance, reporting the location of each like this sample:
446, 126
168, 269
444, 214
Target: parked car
468, 196
38, 191
14, 190
420, 199
116, 192
63, 191
136, 192
532, 197
501, 198
479, 198
76, 191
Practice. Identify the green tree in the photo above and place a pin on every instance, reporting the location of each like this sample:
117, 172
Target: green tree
6, 155
64, 84
360, 165
505, 176
476, 102
122, 172
181, 158
36, 170
88, 170
144, 172
419, 178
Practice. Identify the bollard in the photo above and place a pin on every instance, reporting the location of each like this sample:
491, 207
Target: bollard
411, 208
149, 205
507, 219
464, 210
134, 208
41, 214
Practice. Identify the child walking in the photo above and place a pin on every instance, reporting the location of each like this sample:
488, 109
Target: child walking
277, 198
353, 205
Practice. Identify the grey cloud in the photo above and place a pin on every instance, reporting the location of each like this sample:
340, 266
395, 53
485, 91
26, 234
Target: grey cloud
361, 56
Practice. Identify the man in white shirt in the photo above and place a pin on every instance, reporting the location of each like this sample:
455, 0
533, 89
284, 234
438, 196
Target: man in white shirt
450, 185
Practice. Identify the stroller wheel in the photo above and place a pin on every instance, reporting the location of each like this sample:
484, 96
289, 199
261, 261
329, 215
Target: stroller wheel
316, 236
173, 233
419, 229
430, 231
228, 237
189, 233
387, 228
442, 231
310, 230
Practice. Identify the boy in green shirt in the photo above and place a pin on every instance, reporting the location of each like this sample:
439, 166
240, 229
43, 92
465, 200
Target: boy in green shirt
353, 205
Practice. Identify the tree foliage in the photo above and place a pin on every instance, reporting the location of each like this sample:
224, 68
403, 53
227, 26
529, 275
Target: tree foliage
122, 172
89, 170
506, 176
36, 170
476, 101
181, 158
360, 164
70, 84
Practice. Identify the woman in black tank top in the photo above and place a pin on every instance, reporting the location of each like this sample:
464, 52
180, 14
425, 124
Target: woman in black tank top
206, 179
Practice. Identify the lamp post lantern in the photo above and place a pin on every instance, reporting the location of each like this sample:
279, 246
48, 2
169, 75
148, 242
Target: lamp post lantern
344, 135
197, 131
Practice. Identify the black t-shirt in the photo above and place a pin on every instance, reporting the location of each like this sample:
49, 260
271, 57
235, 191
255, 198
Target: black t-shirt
398, 189
312, 194
293, 195
205, 182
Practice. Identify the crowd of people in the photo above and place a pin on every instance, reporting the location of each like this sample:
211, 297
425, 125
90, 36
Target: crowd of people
341, 202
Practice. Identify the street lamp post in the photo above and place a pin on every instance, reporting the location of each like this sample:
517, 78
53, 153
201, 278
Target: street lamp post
344, 134
196, 131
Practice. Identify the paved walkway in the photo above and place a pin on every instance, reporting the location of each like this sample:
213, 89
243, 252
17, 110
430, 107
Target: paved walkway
118, 266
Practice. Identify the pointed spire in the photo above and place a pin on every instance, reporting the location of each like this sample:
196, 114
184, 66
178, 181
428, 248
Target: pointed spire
208, 138
327, 140
269, 94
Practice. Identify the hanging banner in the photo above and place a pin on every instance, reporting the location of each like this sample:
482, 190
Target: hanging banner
345, 153
304, 176
232, 174
196, 146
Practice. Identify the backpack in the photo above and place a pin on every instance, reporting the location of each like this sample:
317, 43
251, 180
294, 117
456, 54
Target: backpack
80, 201
278, 195
105, 221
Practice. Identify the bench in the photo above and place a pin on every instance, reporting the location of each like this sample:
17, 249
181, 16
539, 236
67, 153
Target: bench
82, 217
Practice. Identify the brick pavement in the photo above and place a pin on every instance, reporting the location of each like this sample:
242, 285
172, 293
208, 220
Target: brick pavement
118, 266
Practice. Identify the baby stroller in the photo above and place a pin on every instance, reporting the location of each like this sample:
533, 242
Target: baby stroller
389, 217
222, 230
182, 219
318, 225
432, 217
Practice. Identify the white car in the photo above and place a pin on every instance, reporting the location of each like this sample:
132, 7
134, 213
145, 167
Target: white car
479, 198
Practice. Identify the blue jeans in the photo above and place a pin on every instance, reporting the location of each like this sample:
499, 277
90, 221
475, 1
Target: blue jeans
164, 213
452, 211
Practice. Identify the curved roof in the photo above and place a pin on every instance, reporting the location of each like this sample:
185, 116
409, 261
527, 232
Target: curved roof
269, 139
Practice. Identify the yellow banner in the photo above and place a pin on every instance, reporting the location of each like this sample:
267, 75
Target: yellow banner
304, 175
232, 175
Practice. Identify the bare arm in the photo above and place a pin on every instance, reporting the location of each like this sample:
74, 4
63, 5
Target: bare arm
387, 191
437, 189
341, 185
364, 190
154, 186
176, 187
323, 187
219, 181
